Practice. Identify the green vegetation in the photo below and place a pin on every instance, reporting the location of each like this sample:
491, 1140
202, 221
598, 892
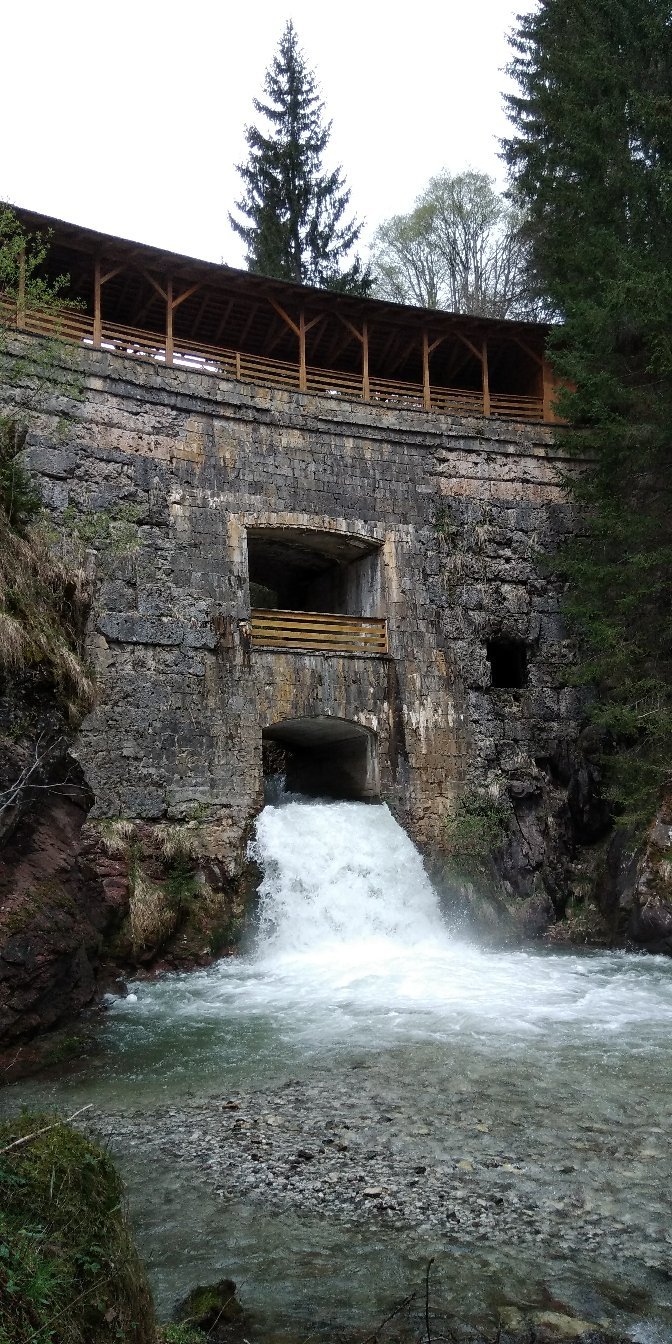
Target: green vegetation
591, 163
294, 211
476, 827
181, 1334
25, 284
19, 498
43, 898
167, 894
43, 602
112, 531
22, 257
69, 1273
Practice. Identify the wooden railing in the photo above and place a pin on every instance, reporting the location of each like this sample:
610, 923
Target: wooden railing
321, 631
516, 408
74, 325
67, 323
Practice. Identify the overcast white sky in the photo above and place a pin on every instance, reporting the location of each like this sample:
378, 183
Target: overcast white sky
129, 116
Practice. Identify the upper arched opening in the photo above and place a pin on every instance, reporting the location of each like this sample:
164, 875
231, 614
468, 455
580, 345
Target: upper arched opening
302, 569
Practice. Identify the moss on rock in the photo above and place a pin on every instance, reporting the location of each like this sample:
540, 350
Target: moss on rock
69, 1272
208, 1304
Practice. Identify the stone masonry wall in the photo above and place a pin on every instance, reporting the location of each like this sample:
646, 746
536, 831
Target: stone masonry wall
160, 471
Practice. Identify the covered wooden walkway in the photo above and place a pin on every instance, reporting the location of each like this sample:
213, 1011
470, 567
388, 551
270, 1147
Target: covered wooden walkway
139, 302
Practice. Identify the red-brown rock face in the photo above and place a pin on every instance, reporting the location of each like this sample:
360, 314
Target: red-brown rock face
59, 900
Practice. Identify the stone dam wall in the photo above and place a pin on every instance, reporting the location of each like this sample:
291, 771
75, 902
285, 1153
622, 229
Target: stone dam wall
163, 472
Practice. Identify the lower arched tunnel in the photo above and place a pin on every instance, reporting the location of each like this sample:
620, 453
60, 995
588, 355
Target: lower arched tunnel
323, 756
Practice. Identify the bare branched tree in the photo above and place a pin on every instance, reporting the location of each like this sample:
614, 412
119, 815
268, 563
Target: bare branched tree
462, 248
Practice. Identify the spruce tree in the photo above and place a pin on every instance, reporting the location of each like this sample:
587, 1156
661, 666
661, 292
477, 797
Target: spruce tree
591, 163
295, 225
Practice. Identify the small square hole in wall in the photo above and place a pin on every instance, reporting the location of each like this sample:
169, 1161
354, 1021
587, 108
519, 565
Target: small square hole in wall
508, 662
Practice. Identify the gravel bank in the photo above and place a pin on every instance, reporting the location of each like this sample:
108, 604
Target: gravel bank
340, 1148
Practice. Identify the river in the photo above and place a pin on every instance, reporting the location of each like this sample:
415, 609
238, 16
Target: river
364, 1089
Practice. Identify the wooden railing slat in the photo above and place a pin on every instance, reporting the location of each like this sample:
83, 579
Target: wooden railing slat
316, 640
315, 627
264, 612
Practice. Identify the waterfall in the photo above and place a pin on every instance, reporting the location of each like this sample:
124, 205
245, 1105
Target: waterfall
340, 873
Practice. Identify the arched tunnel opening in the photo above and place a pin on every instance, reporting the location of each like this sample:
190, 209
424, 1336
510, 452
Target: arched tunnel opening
323, 757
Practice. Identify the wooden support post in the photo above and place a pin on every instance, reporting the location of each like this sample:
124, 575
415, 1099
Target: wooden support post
486, 379
363, 338
21, 292
303, 380
169, 321
238, 365
299, 331
100, 279
97, 306
426, 386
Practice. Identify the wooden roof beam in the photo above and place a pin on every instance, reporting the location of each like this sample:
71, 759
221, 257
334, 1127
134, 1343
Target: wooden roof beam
470, 345
363, 338
408, 350
159, 288
285, 316
350, 326
303, 325
109, 275
224, 319
319, 333
100, 279
201, 312
538, 359
300, 331
278, 330
186, 294
338, 346
250, 319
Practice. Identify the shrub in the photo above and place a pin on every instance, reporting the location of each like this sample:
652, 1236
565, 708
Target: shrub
476, 827
19, 498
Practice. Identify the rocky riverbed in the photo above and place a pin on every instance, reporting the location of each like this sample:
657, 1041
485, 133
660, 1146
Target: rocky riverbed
343, 1149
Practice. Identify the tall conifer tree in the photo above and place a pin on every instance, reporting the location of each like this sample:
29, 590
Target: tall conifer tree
295, 225
591, 163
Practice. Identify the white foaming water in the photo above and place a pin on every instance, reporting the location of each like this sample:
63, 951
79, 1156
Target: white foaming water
340, 874
352, 945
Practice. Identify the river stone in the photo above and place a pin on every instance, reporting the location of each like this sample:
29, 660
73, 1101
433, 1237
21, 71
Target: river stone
210, 1306
556, 1325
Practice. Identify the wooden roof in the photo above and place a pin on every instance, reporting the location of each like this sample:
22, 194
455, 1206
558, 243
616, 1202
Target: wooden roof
225, 306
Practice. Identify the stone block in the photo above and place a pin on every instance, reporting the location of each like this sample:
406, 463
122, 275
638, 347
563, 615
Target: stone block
116, 595
132, 628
